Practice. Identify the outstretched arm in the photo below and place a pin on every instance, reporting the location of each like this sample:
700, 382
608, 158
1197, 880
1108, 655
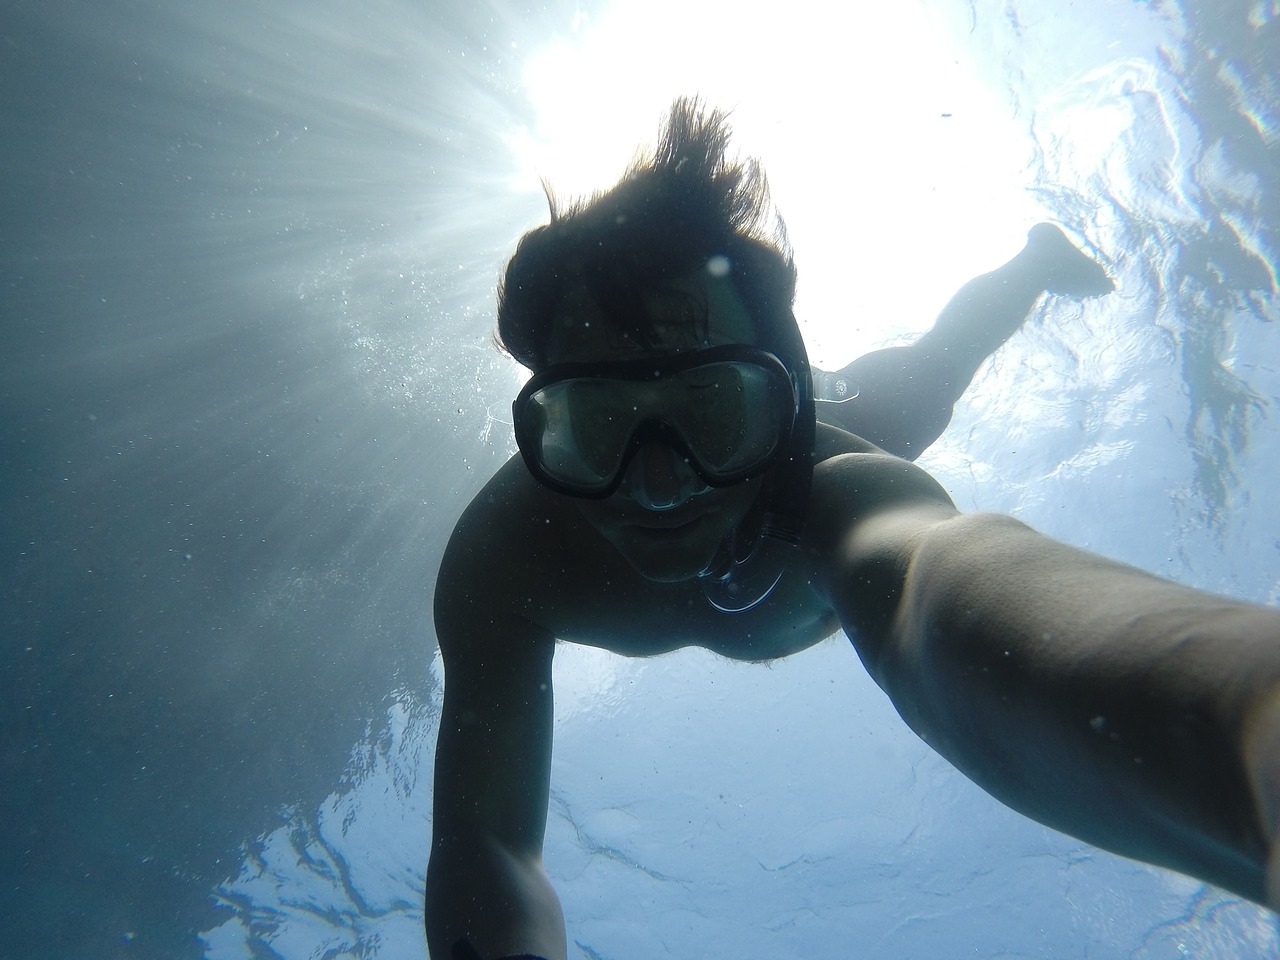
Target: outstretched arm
485, 881
901, 398
1136, 714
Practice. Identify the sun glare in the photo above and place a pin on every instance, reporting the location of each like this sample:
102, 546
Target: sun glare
898, 173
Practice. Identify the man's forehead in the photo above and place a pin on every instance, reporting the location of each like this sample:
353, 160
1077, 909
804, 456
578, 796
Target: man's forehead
688, 313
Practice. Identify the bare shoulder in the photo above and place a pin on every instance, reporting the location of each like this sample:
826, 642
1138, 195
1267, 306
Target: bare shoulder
854, 478
831, 442
515, 554
868, 511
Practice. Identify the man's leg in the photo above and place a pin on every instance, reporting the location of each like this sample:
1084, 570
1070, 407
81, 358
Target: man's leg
901, 398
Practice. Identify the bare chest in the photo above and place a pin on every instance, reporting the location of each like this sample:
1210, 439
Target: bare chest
617, 610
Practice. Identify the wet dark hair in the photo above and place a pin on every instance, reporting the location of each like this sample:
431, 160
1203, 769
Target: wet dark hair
668, 216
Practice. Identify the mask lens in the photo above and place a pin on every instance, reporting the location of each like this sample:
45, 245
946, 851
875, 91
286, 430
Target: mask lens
729, 417
581, 429
732, 416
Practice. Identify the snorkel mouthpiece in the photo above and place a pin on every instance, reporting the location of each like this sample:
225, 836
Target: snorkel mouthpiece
743, 574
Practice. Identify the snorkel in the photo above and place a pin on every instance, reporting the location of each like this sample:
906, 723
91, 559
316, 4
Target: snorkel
754, 556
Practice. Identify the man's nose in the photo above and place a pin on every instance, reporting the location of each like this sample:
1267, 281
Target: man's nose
659, 478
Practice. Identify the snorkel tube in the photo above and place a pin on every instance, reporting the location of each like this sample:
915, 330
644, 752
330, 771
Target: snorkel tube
754, 556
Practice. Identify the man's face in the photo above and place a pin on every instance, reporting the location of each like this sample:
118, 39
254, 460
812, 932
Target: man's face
664, 519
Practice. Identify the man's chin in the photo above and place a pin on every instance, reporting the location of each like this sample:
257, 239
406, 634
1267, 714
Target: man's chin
666, 573
666, 563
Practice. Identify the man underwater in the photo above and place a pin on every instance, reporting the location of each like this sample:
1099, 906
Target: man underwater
674, 488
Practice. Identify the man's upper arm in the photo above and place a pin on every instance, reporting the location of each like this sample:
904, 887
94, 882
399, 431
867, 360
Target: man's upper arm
1094, 697
493, 756
868, 513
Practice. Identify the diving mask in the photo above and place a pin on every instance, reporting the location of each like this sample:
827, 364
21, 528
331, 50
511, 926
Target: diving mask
728, 411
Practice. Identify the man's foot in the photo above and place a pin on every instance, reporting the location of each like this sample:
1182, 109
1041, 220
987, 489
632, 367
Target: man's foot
1068, 271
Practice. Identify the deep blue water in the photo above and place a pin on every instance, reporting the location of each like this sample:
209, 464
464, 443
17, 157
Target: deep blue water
247, 257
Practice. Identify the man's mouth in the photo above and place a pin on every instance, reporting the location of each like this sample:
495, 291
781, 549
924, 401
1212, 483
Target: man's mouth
659, 527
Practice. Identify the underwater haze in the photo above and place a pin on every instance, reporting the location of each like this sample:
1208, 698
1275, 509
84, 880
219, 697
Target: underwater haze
248, 253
